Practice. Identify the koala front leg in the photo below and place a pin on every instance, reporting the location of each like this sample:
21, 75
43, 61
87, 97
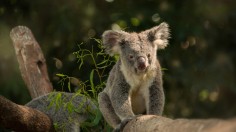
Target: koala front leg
156, 98
107, 110
121, 100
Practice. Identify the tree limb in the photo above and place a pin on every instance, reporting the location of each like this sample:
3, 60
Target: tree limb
152, 123
22, 118
31, 61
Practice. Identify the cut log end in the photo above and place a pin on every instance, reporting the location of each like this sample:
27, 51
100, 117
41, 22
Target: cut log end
21, 33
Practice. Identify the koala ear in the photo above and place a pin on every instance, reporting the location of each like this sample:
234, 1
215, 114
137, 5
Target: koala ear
111, 41
159, 35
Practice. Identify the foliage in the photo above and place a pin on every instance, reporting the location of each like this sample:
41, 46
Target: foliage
87, 88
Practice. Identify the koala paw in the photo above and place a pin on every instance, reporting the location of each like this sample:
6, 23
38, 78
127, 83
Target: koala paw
122, 125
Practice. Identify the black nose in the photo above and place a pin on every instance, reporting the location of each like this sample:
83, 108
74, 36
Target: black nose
141, 63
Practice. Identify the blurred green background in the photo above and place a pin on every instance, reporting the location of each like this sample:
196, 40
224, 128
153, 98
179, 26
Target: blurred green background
201, 57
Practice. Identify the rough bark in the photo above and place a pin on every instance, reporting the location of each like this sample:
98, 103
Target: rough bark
152, 123
22, 118
31, 61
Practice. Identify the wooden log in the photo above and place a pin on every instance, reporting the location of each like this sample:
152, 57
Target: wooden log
152, 123
31, 61
22, 118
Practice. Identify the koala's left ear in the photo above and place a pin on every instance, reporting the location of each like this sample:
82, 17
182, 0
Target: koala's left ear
159, 35
111, 41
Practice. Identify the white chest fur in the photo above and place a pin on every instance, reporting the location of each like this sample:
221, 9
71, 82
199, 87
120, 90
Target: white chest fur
137, 81
139, 91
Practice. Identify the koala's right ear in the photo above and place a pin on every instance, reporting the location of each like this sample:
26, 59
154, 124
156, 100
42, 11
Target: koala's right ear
111, 41
159, 35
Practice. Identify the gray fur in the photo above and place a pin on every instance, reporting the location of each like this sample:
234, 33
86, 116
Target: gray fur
134, 85
66, 121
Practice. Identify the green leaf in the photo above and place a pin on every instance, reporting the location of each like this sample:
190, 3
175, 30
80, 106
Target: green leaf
58, 100
70, 107
100, 53
60, 75
104, 61
97, 40
69, 88
81, 63
91, 82
91, 78
102, 67
97, 118
164, 69
116, 57
95, 121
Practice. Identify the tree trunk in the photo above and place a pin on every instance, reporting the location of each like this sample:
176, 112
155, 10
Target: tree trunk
31, 61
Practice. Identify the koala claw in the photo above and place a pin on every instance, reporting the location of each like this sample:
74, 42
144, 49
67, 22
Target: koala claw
122, 125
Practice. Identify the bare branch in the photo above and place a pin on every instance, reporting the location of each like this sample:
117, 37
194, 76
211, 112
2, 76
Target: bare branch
31, 61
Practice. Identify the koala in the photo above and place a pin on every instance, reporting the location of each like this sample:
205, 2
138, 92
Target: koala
134, 85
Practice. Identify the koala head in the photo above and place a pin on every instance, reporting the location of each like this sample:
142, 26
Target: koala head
137, 50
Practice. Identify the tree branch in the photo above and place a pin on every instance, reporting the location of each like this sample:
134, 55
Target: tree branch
31, 61
22, 118
152, 123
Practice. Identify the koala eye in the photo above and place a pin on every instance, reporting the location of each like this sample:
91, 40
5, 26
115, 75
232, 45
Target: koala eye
148, 55
131, 56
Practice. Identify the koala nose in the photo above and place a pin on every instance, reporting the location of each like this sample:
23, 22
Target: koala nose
141, 63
